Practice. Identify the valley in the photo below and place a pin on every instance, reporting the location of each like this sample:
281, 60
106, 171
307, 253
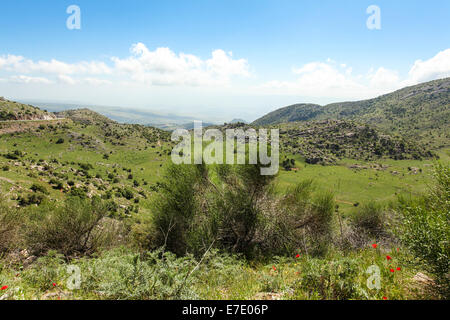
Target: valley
355, 160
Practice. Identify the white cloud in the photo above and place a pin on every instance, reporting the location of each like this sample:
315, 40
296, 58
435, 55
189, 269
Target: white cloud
161, 67
384, 78
27, 79
96, 82
164, 67
319, 79
434, 68
331, 80
66, 79
12, 63
89, 81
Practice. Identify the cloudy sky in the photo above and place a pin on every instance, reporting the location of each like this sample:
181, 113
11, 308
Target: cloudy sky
218, 59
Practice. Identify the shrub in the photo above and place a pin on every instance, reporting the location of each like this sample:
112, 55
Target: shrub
330, 280
175, 206
127, 193
299, 219
45, 271
425, 228
39, 188
233, 208
78, 193
30, 199
121, 274
369, 219
71, 230
9, 227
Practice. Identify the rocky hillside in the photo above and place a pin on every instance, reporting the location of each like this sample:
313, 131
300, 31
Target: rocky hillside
11, 110
421, 112
327, 141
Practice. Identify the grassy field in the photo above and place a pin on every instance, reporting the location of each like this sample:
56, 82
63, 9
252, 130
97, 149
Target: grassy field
359, 182
351, 181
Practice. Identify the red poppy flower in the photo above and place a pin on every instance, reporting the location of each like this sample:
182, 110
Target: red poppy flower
392, 270
384, 298
388, 257
274, 269
54, 284
297, 256
398, 268
4, 288
374, 245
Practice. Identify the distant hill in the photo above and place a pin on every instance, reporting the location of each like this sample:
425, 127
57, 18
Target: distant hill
421, 112
238, 121
121, 114
85, 116
11, 110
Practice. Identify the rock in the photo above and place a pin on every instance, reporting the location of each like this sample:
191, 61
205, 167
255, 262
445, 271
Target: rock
268, 296
423, 278
55, 295
28, 261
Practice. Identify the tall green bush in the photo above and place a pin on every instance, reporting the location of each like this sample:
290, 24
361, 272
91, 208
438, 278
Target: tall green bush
425, 228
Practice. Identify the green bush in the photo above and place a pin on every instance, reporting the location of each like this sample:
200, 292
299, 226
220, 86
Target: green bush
235, 209
39, 188
369, 219
30, 199
425, 228
299, 219
175, 206
71, 230
45, 271
120, 274
330, 280
195, 208
10, 220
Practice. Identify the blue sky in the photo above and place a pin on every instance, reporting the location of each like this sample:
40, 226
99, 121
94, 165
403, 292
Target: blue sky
282, 52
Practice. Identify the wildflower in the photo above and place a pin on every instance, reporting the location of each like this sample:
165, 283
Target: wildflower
54, 284
4, 288
398, 268
374, 245
384, 298
388, 258
274, 269
297, 256
392, 270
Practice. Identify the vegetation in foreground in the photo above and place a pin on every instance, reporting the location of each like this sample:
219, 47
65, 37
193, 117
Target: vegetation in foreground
235, 244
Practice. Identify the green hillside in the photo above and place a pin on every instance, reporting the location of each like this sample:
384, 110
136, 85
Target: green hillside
329, 141
11, 110
421, 112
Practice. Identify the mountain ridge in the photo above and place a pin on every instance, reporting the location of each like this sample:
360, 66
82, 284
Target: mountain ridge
421, 111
